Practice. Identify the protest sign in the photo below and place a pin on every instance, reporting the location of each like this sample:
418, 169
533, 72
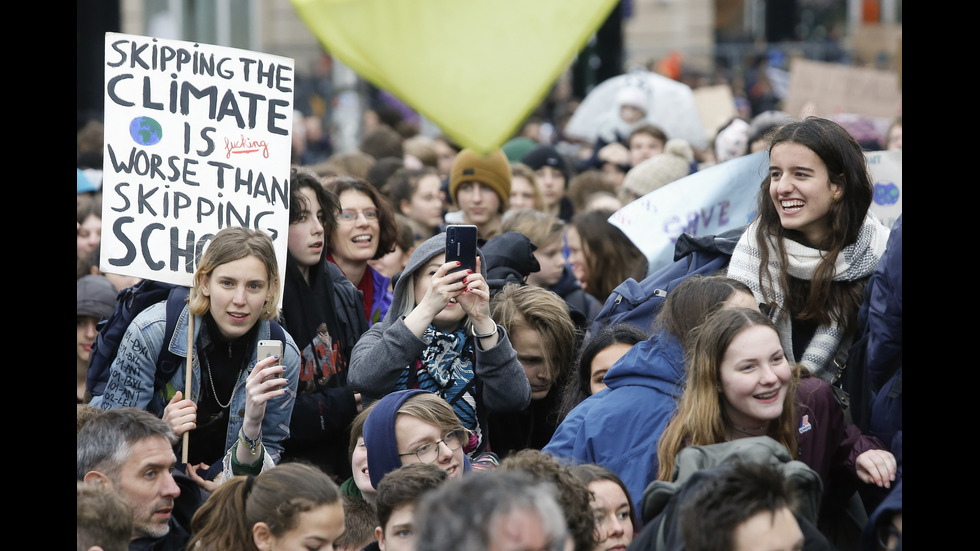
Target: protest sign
716, 105
826, 89
197, 138
724, 197
886, 171
707, 202
874, 42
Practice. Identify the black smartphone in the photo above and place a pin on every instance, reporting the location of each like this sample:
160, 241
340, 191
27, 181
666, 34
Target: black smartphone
461, 246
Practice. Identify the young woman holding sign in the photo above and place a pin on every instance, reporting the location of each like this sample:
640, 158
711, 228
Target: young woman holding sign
238, 407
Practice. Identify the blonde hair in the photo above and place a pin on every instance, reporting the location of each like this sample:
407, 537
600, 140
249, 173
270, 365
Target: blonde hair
540, 228
532, 307
422, 148
348, 163
701, 418
231, 244
433, 409
524, 171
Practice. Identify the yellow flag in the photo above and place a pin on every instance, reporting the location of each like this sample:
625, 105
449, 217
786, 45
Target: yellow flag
476, 68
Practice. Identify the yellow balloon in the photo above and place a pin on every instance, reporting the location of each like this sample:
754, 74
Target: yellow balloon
476, 68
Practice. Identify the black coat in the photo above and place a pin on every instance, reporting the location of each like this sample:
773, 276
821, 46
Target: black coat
584, 306
325, 405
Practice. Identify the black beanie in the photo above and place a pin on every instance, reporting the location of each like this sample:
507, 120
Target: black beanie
545, 155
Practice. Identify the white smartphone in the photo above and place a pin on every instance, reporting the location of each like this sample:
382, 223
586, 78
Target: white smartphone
268, 348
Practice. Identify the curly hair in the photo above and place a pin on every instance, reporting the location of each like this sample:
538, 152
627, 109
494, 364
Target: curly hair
574, 495
388, 226
301, 179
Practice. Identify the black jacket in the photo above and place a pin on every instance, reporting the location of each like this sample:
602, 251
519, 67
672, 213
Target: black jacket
584, 306
662, 531
531, 428
325, 405
510, 258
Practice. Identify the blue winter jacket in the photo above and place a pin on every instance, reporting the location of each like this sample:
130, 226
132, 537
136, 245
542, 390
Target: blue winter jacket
131, 375
885, 312
885, 346
382, 296
619, 427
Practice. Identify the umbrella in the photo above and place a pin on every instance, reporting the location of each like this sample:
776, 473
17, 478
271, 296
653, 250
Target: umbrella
669, 104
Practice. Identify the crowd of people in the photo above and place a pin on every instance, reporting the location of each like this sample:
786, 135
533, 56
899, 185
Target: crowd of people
417, 406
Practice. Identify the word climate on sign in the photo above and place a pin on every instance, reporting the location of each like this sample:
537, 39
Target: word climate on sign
197, 139
244, 107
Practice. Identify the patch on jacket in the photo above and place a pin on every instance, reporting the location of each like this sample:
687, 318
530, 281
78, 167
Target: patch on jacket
805, 424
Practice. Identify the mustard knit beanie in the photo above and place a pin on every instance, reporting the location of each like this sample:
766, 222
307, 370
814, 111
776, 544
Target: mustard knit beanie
491, 170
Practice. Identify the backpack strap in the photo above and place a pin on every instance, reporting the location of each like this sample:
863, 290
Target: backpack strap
168, 362
276, 331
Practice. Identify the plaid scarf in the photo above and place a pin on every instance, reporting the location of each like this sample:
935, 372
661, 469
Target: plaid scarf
445, 367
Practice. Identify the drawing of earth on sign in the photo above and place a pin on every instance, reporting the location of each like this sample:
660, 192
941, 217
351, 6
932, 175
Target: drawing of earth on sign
886, 193
145, 131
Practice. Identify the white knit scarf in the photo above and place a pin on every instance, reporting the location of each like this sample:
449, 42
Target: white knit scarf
855, 261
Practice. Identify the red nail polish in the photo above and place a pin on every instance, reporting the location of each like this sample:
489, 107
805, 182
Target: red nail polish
469, 271
458, 263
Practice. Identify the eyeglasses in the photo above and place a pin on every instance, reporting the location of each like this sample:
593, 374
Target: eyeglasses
427, 453
351, 215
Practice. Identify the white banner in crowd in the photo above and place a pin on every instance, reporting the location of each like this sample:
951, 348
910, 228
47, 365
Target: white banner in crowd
886, 171
197, 138
723, 197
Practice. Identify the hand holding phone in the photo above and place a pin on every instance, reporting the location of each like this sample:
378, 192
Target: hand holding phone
268, 348
461, 246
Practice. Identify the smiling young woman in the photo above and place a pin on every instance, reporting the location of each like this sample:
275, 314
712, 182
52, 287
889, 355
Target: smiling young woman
238, 406
366, 230
815, 227
740, 385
